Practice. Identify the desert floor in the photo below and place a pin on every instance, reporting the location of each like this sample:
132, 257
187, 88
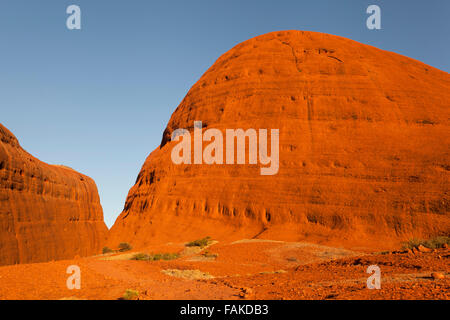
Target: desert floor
245, 269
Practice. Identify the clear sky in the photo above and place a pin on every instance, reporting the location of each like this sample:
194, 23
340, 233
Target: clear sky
99, 98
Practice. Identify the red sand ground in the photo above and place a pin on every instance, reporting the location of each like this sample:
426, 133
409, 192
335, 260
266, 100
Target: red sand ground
252, 269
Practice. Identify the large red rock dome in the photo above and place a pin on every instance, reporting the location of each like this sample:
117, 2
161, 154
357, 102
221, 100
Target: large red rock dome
364, 149
47, 212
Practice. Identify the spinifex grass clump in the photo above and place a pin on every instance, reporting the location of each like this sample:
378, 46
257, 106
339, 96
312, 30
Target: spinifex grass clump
141, 257
155, 257
165, 256
199, 243
130, 294
124, 246
208, 254
434, 243
107, 250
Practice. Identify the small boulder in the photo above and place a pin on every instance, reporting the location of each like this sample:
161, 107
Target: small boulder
245, 293
423, 249
437, 275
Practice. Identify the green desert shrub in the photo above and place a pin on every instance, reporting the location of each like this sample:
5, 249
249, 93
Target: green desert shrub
208, 254
412, 243
199, 243
130, 294
155, 257
433, 243
107, 250
141, 257
124, 246
165, 256
170, 256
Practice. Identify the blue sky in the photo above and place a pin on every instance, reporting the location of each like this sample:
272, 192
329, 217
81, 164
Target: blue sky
99, 98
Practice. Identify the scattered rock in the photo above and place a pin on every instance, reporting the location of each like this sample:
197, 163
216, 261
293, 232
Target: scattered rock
437, 275
331, 296
245, 293
423, 249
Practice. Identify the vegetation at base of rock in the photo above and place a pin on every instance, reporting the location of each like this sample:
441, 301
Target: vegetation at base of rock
130, 294
199, 243
434, 243
107, 250
155, 257
208, 254
124, 246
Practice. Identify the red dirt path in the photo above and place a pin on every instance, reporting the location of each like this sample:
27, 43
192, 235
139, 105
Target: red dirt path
250, 269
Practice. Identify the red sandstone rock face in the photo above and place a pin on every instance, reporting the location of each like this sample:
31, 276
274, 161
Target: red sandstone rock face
47, 212
364, 149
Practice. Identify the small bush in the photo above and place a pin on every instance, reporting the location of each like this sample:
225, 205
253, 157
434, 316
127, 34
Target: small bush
141, 257
169, 256
199, 243
434, 243
107, 250
155, 257
124, 246
130, 294
208, 254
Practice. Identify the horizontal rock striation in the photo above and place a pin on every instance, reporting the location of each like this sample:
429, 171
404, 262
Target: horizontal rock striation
364, 149
47, 212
